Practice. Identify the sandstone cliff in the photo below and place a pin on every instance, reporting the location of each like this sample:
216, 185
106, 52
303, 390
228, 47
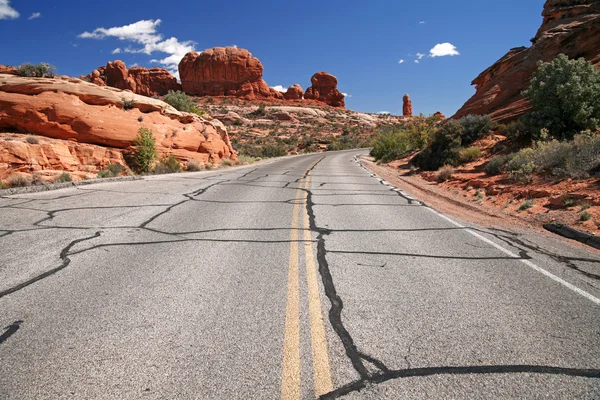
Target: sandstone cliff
571, 27
72, 110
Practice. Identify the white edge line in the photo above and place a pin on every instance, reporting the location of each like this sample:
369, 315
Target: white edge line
550, 275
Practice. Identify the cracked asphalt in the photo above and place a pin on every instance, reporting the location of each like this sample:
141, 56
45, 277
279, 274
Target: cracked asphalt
199, 286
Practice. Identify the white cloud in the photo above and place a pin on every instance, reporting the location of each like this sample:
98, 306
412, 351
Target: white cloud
443, 49
416, 61
279, 88
117, 50
420, 56
6, 11
421, 22
401, 62
145, 33
384, 113
347, 95
35, 15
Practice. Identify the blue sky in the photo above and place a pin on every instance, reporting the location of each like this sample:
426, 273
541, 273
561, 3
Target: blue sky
359, 42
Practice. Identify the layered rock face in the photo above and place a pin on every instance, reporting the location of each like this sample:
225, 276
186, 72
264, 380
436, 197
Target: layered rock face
407, 109
324, 89
225, 71
294, 92
571, 27
79, 112
140, 80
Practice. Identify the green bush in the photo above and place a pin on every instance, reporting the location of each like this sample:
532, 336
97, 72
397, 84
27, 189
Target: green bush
496, 165
518, 131
116, 169
32, 140
259, 112
128, 104
444, 147
394, 144
195, 110
167, 165
272, 150
585, 216
104, 174
565, 98
64, 177
475, 127
40, 70
526, 205
578, 158
145, 150
468, 155
180, 101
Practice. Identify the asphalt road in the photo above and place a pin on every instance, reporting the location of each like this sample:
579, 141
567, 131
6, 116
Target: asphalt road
296, 278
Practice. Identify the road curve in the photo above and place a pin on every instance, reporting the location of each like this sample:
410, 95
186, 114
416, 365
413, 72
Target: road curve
303, 277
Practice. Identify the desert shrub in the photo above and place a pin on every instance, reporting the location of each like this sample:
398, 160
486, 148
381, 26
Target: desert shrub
567, 201
578, 158
116, 169
195, 110
193, 166
238, 122
180, 101
104, 174
585, 216
444, 147
445, 173
32, 140
167, 165
18, 181
272, 150
245, 159
64, 177
496, 165
259, 112
565, 98
226, 162
475, 127
526, 205
467, 155
37, 70
128, 104
209, 166
517, 131
394, 144
145, 150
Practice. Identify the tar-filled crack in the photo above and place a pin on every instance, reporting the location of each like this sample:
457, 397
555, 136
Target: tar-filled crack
10, 330
65, 261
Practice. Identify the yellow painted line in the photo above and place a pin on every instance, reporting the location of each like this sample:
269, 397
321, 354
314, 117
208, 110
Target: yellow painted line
321, 366
290, 374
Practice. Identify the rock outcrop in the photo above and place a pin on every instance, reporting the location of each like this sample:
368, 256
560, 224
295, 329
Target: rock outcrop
140, 80
324, 89
225, 71
407, 109
571, 27
294, 92
73, 110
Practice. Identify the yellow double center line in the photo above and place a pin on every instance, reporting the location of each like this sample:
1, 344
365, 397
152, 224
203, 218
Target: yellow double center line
291, 370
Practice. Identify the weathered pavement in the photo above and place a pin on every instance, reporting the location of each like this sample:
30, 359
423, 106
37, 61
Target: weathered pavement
299, 278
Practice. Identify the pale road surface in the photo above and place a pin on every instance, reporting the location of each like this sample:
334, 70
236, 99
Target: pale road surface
297, 278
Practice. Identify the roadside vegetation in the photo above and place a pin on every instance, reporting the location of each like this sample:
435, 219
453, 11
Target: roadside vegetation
41, 70
182, 102
558, 138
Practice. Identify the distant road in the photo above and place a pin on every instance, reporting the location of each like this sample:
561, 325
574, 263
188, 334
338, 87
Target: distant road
297, 278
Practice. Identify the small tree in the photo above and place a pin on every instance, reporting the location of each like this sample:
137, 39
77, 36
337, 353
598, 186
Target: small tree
180, 101
145, 150
565, 98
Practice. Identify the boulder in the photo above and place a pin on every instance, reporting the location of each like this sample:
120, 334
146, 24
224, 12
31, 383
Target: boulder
225, 71
324, 89
569, 27
294, 92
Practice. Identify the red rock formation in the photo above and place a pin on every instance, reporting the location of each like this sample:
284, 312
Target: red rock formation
324, 89
140, 80
294, 92
407, 110
225, 71
439, 115
7, 69
81, 112
570, 26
